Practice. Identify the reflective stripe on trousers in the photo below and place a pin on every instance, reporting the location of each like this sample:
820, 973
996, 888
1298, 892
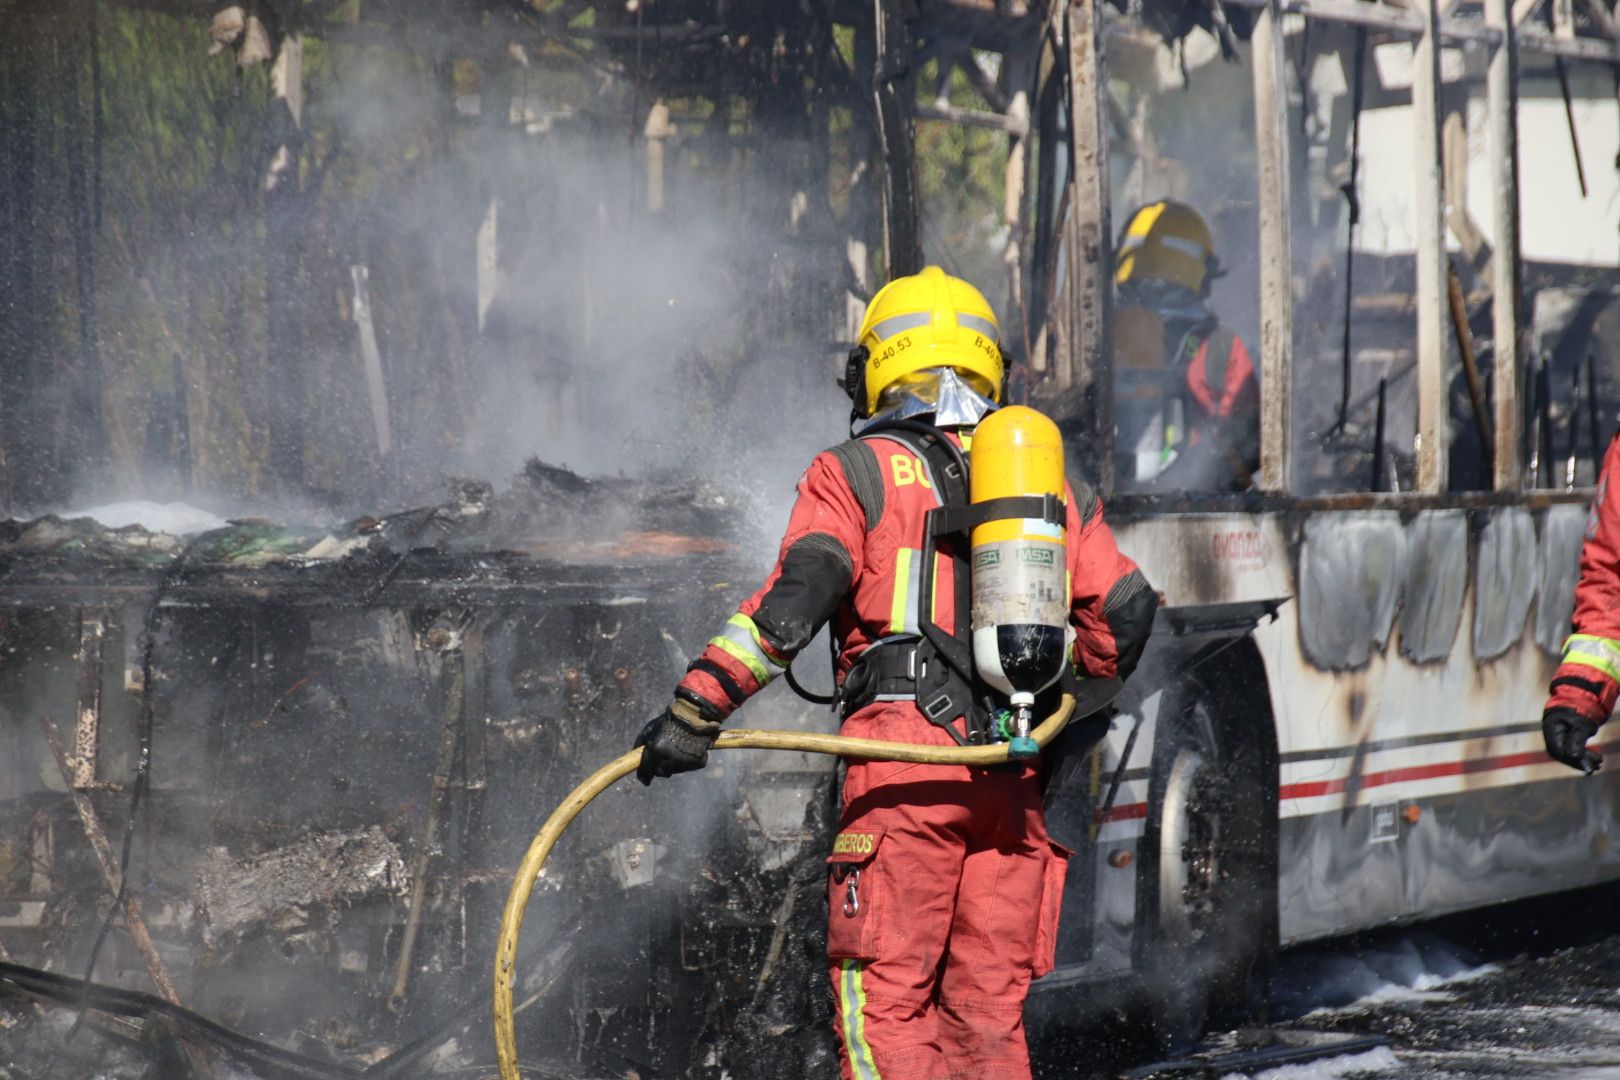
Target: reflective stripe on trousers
852, 1021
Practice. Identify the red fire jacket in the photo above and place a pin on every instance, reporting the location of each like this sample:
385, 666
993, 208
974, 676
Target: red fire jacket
1588, 679
853, 554
1221, 376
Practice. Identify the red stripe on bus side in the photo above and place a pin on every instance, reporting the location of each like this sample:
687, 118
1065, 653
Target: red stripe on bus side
1314, 788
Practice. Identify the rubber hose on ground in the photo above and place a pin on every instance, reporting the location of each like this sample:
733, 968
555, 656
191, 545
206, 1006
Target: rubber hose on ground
517, 901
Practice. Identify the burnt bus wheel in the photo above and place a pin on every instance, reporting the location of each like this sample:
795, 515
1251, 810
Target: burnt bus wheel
1205, 890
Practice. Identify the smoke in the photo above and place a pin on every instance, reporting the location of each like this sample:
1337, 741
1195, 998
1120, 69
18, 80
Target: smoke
614, 321
176, 519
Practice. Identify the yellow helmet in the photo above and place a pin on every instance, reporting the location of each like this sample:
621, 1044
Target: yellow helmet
1166, 241
925, 320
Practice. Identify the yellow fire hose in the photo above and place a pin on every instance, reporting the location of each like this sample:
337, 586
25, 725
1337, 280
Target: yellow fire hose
517, 901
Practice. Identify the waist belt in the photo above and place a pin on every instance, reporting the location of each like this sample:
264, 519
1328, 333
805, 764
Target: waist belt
885, 672
910, 670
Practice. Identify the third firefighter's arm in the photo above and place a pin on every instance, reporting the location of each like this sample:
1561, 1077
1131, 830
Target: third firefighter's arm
1111, 603
1588, 679
819, 559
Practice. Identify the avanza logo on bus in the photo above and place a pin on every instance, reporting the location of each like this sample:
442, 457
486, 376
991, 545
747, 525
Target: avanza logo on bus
1244, 549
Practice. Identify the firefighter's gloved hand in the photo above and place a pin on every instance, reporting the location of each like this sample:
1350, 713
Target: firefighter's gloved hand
1567, 732
677, 740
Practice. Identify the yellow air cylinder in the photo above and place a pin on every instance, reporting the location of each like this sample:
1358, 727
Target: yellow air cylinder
1020, 612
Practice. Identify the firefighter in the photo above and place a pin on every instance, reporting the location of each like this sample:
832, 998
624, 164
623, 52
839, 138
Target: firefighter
1587, 682
1187, 399
943, 883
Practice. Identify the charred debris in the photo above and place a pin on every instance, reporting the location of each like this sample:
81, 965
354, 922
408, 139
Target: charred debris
265, 787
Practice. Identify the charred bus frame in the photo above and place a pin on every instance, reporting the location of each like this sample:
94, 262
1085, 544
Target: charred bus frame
1352, 814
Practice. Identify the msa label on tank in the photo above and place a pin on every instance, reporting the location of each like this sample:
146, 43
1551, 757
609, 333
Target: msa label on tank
1029, 556
1019, 582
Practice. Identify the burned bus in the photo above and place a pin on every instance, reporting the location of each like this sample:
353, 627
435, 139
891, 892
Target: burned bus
263, 786
1338, 724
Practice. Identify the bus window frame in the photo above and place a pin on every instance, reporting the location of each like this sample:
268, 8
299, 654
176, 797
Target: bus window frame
1090, 293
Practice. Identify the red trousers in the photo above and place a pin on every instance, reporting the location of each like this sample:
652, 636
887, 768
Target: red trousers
943, 892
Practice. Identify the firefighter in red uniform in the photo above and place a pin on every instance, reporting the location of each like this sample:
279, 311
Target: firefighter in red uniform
1187, 399
1587, 682
944, 887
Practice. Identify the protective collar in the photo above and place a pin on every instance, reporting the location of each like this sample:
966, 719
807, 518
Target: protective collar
937, 392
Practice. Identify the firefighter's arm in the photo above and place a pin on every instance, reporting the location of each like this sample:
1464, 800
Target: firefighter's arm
1111, 603
819, 559
1587, 683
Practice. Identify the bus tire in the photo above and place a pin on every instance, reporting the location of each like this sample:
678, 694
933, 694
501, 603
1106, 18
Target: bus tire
1207, 885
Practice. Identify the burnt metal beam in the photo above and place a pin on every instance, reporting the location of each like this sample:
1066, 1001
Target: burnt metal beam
134, 921
981, 24
1433, 349
1087, 241
1410, 22
1010, 122
1019, 74
87, 726
893, 94
1131, 506
1502, 133
1272, 139
447, 643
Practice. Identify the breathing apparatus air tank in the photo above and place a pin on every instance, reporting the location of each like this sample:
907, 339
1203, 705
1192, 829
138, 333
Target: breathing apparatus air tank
1020, 612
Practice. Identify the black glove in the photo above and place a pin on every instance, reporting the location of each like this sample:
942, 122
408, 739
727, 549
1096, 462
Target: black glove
1567, 732
677, 740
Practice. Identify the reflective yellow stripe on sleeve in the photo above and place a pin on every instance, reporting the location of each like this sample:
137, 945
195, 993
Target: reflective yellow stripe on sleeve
1592, 651
740, 640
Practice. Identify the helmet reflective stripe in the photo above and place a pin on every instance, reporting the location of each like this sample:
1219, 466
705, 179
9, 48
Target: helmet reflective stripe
983, 326
900, 323
1186, 247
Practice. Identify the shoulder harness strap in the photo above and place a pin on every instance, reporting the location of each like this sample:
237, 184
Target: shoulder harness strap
864, 477
947, 683
1217, 358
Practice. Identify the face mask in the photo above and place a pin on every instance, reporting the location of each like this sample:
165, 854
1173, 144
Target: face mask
1171, 302
937, 392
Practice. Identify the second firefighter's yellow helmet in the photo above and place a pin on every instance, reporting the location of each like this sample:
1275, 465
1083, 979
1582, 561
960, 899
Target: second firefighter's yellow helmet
921, 321
1166, 241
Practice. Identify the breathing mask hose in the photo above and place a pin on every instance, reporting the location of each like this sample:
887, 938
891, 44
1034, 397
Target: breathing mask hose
517, 901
